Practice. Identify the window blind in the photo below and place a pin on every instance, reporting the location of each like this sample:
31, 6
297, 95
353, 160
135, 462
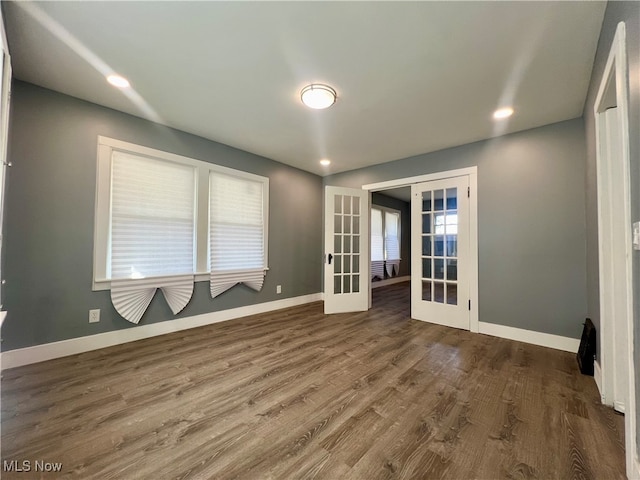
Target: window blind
392, 242
377, 244
152, 217
237, 231
377, 236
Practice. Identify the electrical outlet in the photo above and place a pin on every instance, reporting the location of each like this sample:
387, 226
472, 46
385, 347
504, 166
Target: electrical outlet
279, 289
94, 315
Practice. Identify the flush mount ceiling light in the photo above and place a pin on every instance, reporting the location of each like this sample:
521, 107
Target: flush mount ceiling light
318, 96
118, 81
503, 113
325, 162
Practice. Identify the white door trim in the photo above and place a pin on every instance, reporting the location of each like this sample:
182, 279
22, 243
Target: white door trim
616, 69
472, 172
405, 182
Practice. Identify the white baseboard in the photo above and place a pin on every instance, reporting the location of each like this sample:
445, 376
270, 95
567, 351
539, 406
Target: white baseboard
619, 407
597, 377
49, 351
390, 281
528, 336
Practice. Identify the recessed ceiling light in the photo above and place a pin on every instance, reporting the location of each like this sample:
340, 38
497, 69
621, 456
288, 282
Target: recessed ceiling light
503, 113
318, 96
118, 81
324, 162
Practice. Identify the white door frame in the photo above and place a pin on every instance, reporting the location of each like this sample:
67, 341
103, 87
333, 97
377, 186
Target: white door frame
5, 102
472, 172
613, 92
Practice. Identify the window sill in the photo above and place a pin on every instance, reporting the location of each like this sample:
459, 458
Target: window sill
104, 284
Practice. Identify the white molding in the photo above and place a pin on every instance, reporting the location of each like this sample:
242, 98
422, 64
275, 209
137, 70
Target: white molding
49, 351
3, 35
403, 182
390, 281
619, 407
529, 336
616, 68
597, 377
474, 318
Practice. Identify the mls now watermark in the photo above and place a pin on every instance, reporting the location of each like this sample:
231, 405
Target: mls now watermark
29, 466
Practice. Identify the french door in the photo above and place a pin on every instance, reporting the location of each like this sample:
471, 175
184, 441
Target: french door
440, 252
346, 244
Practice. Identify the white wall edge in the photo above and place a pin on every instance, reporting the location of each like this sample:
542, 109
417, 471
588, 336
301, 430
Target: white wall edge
597, 376
73, 346
390, 281
636, 473
528, 336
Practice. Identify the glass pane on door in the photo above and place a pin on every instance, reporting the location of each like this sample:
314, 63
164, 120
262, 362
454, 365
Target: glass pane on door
346, 266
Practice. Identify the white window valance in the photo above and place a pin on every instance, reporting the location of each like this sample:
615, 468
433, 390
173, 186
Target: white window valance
221, 282
131, 297
377, 269
392, 267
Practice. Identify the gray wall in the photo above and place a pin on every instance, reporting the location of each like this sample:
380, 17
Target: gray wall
531, 222
405, 227
628, 12
50, 197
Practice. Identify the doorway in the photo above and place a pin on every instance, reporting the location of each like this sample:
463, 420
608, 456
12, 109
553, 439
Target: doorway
615, 363
390, 236
464, 183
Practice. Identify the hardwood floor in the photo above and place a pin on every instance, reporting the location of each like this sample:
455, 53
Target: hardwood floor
297, 394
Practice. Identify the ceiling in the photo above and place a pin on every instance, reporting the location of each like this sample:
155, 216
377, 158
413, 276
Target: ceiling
399, 193
411, 77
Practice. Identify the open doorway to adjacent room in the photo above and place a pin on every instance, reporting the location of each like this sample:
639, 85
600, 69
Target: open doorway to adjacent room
438, 244
390, 219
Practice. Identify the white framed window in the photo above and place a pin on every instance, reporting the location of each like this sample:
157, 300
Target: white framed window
385, 241
164, 215
391, 234
377, 235
153, 217
236, 222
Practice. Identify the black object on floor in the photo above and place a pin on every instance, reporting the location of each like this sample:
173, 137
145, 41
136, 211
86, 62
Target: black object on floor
587, 350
